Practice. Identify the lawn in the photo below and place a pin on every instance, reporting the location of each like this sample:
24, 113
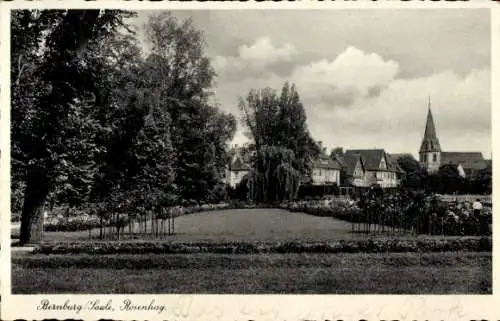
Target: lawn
360, 273
242, 225
357, 273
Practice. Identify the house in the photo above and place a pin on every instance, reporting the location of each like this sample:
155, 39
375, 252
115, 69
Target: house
367, 167
432, 157
238, 166
353, 170
325, 171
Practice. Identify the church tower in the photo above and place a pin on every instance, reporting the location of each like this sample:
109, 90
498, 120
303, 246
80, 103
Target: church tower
430, 150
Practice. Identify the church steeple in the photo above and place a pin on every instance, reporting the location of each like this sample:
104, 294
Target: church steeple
430, 143
430, 150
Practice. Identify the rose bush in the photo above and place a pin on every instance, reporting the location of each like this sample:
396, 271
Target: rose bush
415, 213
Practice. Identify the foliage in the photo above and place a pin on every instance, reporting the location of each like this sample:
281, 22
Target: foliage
337, 151
93, 119
53, 100
282, 143
403, 212
341, 246
181, 76
316, 191
273, 176
415, 176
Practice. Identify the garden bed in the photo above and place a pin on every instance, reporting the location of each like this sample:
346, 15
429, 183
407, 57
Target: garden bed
342, 246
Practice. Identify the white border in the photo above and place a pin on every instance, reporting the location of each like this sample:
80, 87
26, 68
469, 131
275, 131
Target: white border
253, 307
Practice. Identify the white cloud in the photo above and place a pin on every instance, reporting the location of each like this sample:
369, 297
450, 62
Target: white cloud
350, 75
254, 58
357, 101
395, 119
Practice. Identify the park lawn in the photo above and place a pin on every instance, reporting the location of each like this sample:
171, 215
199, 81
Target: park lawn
242, 225
360, 273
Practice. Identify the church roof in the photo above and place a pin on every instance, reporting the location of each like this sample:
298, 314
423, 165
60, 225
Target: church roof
430, 142
468, 160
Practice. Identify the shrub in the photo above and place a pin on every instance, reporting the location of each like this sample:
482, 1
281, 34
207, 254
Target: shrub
473, 244
419, 213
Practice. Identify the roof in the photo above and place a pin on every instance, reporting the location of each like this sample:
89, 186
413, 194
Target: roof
468, 160
430, 142
326, 163
349, 162
372, 158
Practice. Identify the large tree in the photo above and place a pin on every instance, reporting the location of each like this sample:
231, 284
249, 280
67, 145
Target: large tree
53, 129
283, 146
181, 74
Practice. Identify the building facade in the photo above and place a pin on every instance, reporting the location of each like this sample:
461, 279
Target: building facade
325, 171
367, 167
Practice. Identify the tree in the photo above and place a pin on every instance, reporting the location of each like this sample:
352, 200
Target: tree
337, 151
284, 148
446, 180
273, 177
322, 148
481, 181
415, 176
182, 77
56, 134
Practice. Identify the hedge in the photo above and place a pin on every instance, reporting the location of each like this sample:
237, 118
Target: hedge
232, 262
342, 246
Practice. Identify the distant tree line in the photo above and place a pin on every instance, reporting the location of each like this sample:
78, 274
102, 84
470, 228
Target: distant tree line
446, 180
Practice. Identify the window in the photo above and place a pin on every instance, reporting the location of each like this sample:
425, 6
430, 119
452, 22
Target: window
434, 157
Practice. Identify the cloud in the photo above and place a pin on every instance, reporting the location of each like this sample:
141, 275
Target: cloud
395, 119
351, 75
254, 59
357, 100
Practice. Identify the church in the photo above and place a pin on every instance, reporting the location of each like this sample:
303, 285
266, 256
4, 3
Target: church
432, 157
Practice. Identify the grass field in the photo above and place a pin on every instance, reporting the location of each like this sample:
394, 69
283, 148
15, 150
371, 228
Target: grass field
394, 273
360, 273
242, 225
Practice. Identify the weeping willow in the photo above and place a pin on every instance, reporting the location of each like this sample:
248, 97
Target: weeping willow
273, 177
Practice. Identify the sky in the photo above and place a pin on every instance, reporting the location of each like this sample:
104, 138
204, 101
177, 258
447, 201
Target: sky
364, 76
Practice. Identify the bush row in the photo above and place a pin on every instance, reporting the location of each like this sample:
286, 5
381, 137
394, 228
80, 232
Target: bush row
233, 262
425, 216
71, 226
342, 246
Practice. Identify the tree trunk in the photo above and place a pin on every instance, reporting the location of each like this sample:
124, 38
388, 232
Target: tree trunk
32, 214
